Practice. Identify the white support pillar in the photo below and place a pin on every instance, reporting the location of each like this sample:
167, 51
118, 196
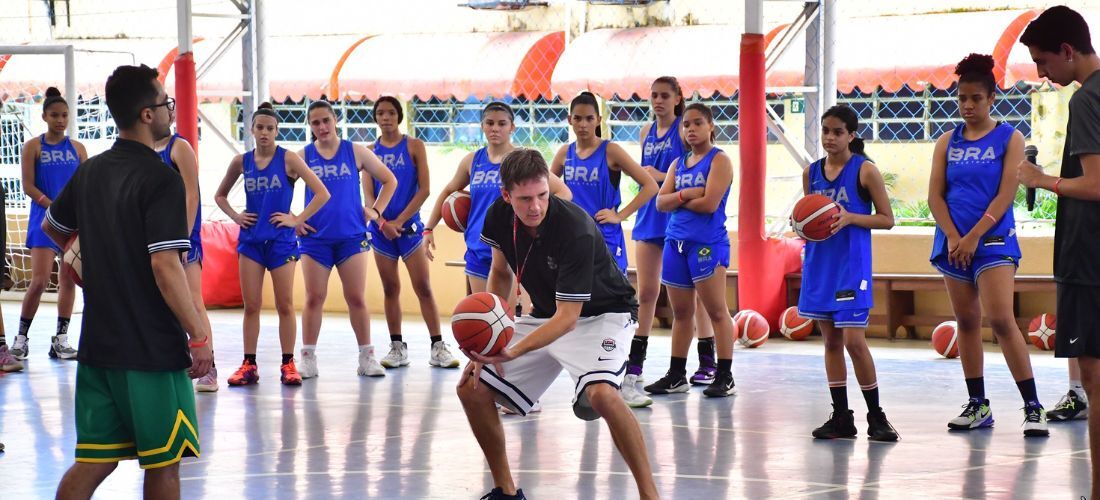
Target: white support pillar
812, 78
261, 92
70, 87
248, 70
183, 26
754, 16
828, 53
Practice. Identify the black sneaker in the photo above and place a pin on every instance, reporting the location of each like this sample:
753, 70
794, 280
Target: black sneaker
841, 424
721, 387
1071, 407
498, 494
878, 428
669, 384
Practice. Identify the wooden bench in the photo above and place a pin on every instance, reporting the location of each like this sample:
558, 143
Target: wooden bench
901, 304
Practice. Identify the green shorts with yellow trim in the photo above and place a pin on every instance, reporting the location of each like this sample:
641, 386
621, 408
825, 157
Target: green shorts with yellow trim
124, 414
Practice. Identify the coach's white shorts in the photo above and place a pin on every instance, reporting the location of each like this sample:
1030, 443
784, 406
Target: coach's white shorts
595, 352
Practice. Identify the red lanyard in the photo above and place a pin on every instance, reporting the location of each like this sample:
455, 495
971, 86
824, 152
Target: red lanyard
519, 267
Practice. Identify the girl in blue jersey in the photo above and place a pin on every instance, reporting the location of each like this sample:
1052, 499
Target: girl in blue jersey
48, 161
480, 171
592, 167
267, 239
836, 273
178, 154
661, 144
336, 236
697, 251
398, 234
970, 193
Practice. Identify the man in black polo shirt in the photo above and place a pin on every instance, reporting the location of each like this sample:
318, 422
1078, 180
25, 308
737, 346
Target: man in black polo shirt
133, 395
1061, 47
584, 316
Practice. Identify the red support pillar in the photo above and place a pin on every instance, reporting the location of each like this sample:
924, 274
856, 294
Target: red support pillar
762, 262
187, 100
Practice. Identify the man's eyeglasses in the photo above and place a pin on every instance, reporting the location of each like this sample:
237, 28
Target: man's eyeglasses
170, 104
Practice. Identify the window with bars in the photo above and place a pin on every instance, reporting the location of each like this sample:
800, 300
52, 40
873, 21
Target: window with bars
446, 121
628, 116
917, 116
355, 121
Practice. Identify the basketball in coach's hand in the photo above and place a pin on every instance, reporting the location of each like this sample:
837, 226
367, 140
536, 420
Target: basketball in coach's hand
483, 323
813, 216
71, 260
456, 211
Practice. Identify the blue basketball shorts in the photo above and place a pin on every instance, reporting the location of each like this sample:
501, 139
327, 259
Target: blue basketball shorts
402, 246
850, 318
685, 263
333, 252
271, 253
978, 265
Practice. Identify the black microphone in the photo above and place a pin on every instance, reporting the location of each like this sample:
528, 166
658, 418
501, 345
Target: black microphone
1031, 153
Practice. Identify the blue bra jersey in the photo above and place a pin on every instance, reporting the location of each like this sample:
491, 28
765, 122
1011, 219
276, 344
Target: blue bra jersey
267, 191
974, 170
401, 164
53, 168
659, 153
836, 274
484, 190
342, 217
688, 225
595, 187
166, 156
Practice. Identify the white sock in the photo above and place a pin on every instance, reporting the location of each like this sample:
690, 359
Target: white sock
366, 347
309, 348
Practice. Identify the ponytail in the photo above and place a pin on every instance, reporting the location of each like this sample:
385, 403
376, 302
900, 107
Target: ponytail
53, 96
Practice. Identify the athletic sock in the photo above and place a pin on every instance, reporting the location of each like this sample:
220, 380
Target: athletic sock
705, 348
725, 365
436, 338
62, 326
870, 395
1028, 391
678, 366
3, 339
365, 347
839, 393
975, 387
395, 338
250, 358
636, 358
309, 348
25, 326
288, 357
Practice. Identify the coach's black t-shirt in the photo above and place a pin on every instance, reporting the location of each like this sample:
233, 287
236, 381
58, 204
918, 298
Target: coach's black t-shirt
568, 261
127, 205
1077, 229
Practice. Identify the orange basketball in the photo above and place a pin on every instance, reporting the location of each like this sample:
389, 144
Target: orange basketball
812, 216
753, 328
1042, 330
945, 339
456, 211
793, 326
482, 323
71, 261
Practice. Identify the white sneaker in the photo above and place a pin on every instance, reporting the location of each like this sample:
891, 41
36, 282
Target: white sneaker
208, 382
442, 357
633, 397
398, 355
19, 348
60, 348
308, 368
368, 366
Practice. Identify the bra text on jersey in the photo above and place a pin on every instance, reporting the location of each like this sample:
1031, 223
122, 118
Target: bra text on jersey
57, 156
262, 183
970, 154
332, 171
581, 174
